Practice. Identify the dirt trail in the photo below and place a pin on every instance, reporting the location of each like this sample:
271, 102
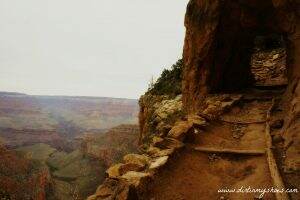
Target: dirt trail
197, 175
235, 151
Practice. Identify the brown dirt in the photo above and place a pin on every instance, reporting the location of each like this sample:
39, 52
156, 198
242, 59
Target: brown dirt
196, 175
223, 135
248, 136
252, 111
193, 176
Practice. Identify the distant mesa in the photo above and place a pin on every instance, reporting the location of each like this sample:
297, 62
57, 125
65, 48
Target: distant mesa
3, 93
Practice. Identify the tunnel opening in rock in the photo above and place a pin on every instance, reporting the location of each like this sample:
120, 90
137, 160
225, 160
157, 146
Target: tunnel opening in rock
249, 48
269, 61
234, 45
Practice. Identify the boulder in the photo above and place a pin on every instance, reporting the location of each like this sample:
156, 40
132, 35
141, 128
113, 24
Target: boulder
131, 167
114, 189
168, 143
215, 105
180, 130
107, 189
138, 159
155, 152
135, 178
114, 171
167, 108
159, 162
197, 121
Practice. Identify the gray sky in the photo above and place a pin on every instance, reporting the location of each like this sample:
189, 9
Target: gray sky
88, 47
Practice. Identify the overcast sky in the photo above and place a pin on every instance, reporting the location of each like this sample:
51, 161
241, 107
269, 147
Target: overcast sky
88, 47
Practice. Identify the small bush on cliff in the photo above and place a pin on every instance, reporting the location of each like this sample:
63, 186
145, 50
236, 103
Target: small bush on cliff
169, 82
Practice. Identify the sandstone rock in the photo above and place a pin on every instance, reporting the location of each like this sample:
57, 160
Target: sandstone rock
120, 169
180, 130
215, 105
148, 105
114, 171
157, 163
107, 189
136, 159
292, 131
131, 167
211, 110
168, 107
157, 114
163, 128
168, 143
114, 189
229, 100
135, 178
157, 139
152, 150
155, 152
125, 192
197, 121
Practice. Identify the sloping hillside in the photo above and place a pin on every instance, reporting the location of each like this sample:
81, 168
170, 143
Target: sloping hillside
76, 174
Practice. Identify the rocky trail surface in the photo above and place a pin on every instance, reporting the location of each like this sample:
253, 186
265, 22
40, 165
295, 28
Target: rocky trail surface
230, 153
225, 151
234, 152
226, 147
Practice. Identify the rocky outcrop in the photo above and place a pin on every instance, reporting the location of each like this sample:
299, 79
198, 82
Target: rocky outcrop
157, 115
130, 178
126, 180
219, 40
291, 130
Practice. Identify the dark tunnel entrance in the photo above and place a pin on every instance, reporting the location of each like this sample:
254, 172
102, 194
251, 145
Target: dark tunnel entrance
231, 46
249, 49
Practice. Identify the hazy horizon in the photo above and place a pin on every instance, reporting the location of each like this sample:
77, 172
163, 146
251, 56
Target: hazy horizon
88, 48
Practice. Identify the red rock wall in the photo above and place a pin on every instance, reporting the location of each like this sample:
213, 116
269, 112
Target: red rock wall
218, 43
291, 130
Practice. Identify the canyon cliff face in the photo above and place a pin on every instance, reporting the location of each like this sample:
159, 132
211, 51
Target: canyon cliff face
219, 40
291, 130
218, 44
158, 113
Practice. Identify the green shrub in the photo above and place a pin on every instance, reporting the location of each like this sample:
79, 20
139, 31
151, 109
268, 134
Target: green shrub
169, 82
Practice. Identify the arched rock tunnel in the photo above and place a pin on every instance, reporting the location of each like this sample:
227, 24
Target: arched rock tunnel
220, 38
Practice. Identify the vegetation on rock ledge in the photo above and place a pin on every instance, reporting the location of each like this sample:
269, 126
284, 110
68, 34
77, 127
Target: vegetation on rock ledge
169, 82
